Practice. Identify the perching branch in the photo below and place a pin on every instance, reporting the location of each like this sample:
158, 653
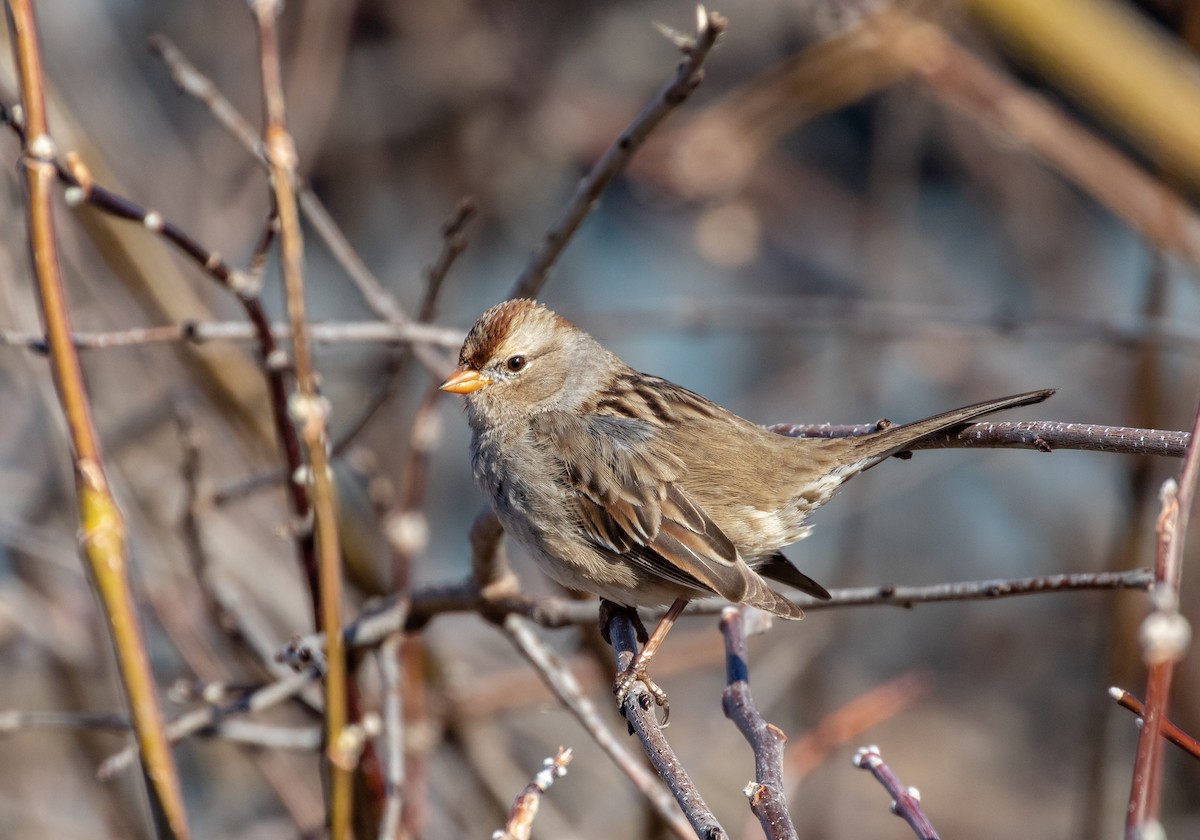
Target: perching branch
639, 709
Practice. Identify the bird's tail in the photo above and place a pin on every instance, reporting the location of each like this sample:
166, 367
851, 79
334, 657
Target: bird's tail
872, 448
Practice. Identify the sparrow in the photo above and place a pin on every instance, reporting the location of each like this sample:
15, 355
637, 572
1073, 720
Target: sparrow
633, 488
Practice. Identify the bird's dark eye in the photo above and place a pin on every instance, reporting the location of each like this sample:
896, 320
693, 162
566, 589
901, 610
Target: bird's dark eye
515, 363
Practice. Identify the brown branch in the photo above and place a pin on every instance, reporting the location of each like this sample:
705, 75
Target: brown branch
309, 410
709, 26
1164, 637
906, 802
1170, 731
102, 525
766, 793
640, 711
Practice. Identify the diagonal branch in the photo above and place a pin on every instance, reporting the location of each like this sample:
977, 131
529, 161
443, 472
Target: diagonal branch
102, 525
709, 26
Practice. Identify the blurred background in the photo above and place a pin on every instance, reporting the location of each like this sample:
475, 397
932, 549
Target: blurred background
864, 211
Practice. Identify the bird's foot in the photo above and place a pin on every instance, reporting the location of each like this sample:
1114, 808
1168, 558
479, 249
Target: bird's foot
630, 677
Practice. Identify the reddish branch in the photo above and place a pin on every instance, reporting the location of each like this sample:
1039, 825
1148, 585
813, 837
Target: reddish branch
1170, 731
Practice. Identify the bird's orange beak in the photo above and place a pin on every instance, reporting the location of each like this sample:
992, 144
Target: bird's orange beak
465, 381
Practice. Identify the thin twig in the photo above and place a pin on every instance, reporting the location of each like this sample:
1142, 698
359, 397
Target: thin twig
524, 810
560, 680
1164, 637
204, 717
191, 81
305, 738
709, 26
1170, 731
102, 525
639, 709
393, 732
906, 802
199, 332
766, 793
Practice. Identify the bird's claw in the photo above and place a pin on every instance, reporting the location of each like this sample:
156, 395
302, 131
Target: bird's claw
630, 677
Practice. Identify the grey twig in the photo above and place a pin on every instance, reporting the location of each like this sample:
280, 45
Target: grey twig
709, 26
766, 793
906, 802
393, 732
198, 332
206, 716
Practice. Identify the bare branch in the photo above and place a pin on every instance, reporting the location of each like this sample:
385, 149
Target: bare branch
525, 808
640, 711
766, 793
1170, 731
559, 678
1164, 636
906, 802
709, 26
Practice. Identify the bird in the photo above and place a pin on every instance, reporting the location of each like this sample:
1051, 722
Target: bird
633, 488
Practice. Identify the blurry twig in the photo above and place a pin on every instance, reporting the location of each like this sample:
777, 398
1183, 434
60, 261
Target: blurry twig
191, 81
906, 802
525, 808
236, 731
639, 709
204, 717
393, 732
1164, 637
1170, 731
709, 26
198, 332
964, 82
309, 410
766, 793
102, 525
559, 678
1106, 55
454, 242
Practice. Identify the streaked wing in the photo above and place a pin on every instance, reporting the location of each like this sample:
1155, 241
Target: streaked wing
627, 501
